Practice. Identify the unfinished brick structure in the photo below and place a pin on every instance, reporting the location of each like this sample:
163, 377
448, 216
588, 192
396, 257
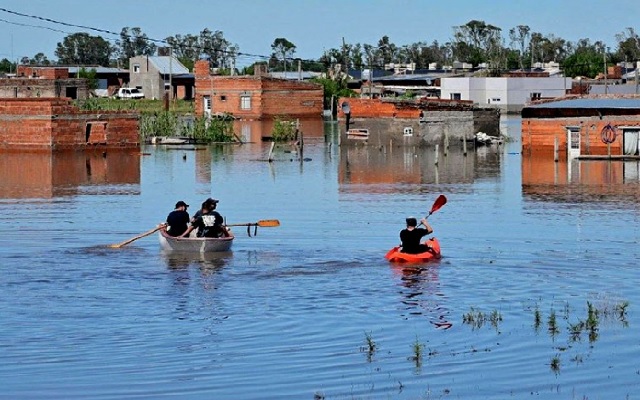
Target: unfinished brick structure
43, 82
54, 123
391, 122
575, 127
255, 97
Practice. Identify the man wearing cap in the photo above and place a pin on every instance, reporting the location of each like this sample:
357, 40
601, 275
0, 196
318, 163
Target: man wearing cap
208, 222
411, 235
178, 219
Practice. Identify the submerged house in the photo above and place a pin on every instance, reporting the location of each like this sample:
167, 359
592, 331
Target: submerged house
582, 127
255, 97
424, 122
50, 123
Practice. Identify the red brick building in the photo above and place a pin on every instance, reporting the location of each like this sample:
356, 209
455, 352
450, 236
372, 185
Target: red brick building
54, 123
577, 127
255, 97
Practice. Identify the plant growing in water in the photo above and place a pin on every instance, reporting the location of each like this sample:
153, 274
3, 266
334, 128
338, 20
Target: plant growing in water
370, 347
284, 130
417, 348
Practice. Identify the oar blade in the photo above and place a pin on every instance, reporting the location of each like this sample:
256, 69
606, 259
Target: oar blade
268, 223
440, 201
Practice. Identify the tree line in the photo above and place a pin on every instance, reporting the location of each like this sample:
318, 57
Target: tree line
475, 42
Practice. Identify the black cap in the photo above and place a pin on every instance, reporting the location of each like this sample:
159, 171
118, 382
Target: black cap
412, 221
210, 200
181, 204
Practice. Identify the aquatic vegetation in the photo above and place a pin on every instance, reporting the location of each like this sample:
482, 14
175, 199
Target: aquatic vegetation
370, 346
477, 318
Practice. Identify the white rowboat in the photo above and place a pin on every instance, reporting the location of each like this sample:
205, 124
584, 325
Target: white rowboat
194, 245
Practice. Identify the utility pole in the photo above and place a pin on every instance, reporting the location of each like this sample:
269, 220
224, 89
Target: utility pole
604, 51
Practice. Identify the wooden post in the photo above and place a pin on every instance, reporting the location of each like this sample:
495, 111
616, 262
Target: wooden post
437, 154
464, 146
270, 158
446, 142
555, 149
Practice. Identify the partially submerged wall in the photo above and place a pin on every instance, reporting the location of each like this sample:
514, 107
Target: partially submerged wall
422, 123
54, 123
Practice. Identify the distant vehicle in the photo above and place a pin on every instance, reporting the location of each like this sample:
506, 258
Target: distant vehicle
129, 93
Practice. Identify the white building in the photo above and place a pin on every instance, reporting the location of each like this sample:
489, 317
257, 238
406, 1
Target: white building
509, 94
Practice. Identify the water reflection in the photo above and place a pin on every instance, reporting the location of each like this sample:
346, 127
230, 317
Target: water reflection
412, 165
255, 131
421, 292
208, 263
52, 174
579, 180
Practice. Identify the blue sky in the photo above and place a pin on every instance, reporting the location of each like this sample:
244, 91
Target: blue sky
312, 25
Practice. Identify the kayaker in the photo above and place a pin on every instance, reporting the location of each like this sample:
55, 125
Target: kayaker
178, 219
411, 235
208, 222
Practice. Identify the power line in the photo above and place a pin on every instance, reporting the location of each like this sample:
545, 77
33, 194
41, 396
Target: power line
106, 31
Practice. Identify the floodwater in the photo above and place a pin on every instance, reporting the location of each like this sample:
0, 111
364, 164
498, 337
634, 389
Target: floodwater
311, 309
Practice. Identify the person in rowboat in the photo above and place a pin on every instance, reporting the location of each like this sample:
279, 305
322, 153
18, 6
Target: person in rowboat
209, 223
411, 235
178, 219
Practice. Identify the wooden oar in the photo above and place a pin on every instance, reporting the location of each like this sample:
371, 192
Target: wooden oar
126, 242
265, 223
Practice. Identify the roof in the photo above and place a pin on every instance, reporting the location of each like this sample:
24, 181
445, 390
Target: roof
414, 78
295, 75
591, 103
99, 70
168, 65
613, 89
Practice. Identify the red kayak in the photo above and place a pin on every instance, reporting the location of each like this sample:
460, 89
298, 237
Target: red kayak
395, 255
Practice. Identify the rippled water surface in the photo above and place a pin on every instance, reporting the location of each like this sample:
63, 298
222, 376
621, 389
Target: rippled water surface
311, 309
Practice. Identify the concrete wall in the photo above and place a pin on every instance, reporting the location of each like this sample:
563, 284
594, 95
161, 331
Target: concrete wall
508, 94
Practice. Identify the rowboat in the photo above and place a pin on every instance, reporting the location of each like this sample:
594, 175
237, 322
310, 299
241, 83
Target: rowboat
195, 244
395, 255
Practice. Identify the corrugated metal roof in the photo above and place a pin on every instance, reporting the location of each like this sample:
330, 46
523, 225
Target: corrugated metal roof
100, 70
613, 89
294, 75
167, 65
591, 103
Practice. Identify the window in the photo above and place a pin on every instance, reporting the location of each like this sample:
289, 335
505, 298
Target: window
245, 102
495, 100
574, 138
536, 96
136, 68
455, 96
223, 98
207, 105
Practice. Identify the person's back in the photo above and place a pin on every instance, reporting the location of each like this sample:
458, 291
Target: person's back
411, 236
178, 219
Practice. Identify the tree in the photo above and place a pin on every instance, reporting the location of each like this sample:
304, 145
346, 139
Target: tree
519, 39
83, 49
628, 45
40, 59
7, 66
282, 49
587, 60
133, 43
211, 45
478, 42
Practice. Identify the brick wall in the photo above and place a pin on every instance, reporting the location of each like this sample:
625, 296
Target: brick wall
54, 123
269, 97
42, 72
539, 135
